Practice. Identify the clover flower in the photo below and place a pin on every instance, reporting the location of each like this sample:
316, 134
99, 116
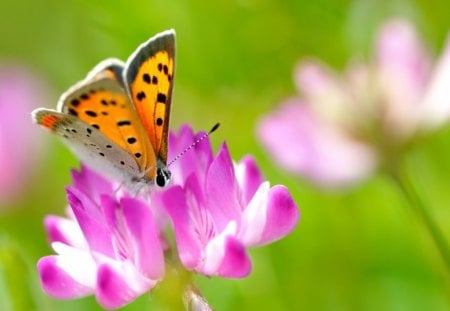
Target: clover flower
341, 129
221, 208
112, 244
109, 247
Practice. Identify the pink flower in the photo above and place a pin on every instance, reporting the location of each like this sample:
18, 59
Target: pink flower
111, 244
107, 247
341, 130
20, 144
218, 209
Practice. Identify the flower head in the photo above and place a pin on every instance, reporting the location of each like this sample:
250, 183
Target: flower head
111, 246
221, 208
20, 92
341, 129
108, 247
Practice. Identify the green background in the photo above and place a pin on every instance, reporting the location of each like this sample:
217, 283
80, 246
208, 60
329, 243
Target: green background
361, 249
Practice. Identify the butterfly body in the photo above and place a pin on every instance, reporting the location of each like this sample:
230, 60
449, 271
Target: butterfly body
116, 120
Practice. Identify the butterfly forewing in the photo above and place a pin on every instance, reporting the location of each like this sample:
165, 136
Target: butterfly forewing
149, 74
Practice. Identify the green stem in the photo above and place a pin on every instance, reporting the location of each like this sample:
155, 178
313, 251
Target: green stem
405, 185
177, 291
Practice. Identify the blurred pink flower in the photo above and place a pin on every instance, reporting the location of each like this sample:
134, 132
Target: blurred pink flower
108, 247
20, 92
340, 130
221, 208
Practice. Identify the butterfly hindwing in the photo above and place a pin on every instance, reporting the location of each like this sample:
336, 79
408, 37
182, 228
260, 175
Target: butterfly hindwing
148, 75
104, 105
88, 144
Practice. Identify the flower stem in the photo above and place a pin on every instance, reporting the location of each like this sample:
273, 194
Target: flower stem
406, 186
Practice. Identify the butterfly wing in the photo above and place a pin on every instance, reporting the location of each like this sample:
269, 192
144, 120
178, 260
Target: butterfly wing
148, 77
110, 68
89, 144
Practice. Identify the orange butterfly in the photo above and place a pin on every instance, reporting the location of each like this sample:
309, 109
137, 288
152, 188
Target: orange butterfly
116, 120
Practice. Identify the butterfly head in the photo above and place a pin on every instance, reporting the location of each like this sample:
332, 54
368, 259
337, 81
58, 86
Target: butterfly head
162, 177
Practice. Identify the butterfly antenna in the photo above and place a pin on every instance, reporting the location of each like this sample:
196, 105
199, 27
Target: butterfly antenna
197, 141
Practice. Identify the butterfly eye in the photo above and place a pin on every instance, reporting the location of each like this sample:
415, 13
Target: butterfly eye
162, 177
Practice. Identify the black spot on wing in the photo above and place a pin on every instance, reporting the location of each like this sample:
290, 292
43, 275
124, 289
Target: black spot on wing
161, 98
91, 113
123, 123
140, 96
146, 78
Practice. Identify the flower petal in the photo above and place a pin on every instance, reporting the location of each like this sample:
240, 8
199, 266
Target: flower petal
282, 215
91, 183
305, 145
64, 230
401, 54
436, 105
225, 256
402, 69
71, 274
236, 263
222, 190
118, 285
144, 236
325, 93
188, 243
249, 178
91, 221
196, 160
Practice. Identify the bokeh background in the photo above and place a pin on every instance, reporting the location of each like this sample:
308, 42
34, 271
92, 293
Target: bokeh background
359, 249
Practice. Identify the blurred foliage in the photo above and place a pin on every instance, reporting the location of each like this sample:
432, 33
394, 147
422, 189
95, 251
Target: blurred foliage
355, 250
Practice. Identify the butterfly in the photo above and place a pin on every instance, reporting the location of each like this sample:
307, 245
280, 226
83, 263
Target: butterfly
116, 120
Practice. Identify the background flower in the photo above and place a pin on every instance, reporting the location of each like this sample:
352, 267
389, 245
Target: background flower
340, 129
20, 144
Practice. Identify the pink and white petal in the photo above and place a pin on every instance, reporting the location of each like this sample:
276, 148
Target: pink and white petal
222, 190
254, 217
249, 178
271, 214
282, 215
120, 284
196, 160
91, 183
313, 78
144, 238
91, 222
226, 256
58, 283
67, 231
71, 274
182, 168
325, 93
402, 69
436, 104
305, 145
401, 54
188, 242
